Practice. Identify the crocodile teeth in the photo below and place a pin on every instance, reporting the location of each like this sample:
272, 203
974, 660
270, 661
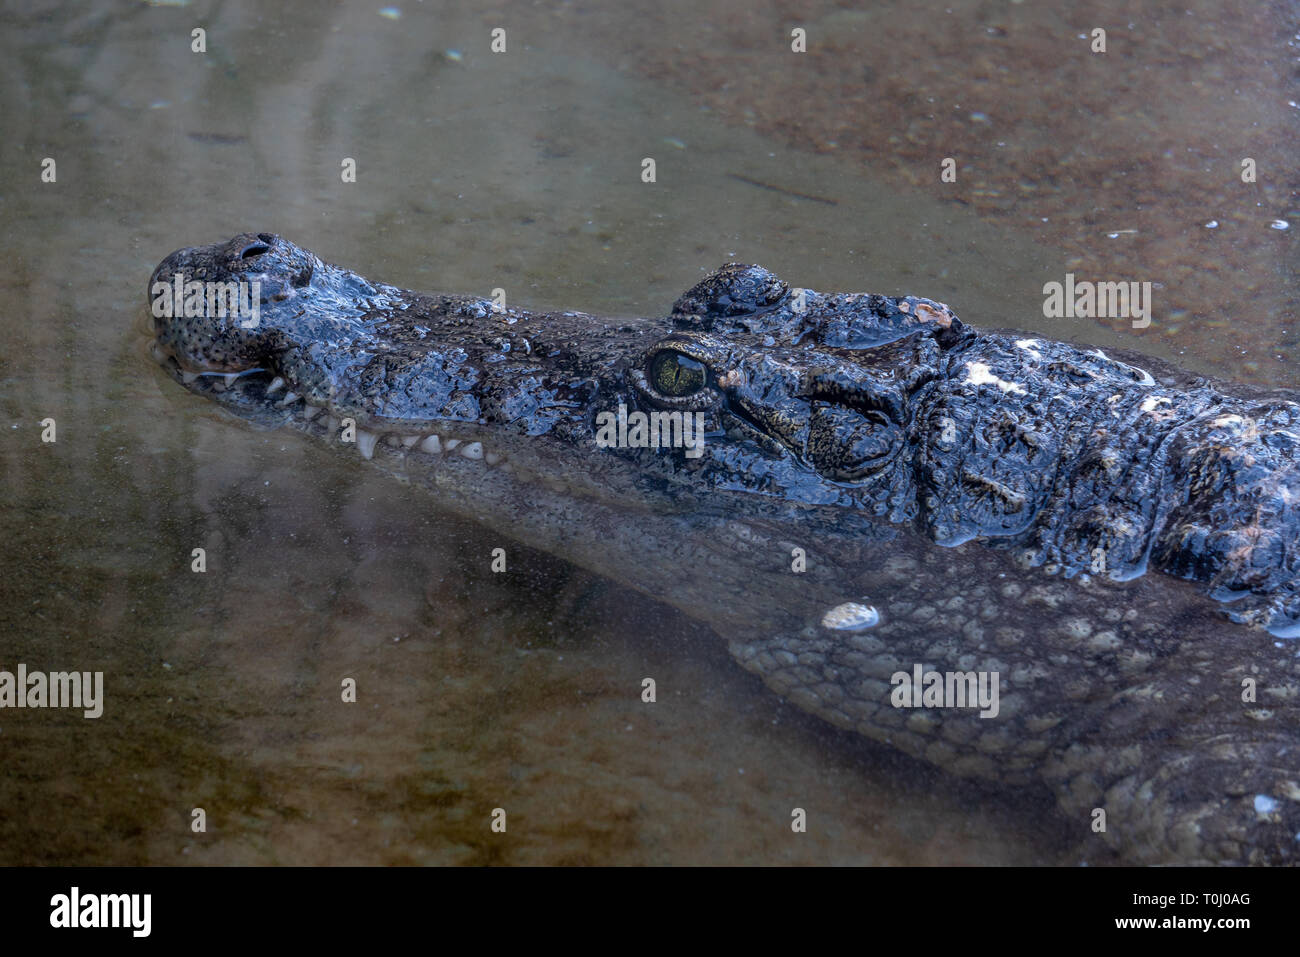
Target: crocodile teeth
366, 443
289, 399
431, 445
312, 411
472, 450
409, 440
276, 385
189, 378
451, 444
491, 458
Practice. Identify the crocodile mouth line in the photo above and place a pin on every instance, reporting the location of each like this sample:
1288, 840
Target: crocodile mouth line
275, 403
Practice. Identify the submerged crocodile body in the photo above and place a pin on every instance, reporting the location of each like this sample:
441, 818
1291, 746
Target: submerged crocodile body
1123, 548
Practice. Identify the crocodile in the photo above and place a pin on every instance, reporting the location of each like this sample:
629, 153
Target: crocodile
856, 492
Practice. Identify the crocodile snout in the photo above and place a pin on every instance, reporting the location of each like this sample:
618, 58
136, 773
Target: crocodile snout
207, 302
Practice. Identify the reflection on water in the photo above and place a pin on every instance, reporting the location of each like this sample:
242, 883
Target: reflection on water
474, 171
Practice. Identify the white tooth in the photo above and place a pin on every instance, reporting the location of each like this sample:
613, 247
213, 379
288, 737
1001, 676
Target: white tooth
366, 442
189, 377
450, 444
409, 440
472, 450
311, 411
276, 385
491, 458
431, 445
230, 378
289, 399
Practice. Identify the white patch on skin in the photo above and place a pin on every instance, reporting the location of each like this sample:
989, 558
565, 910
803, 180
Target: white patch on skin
1141, 375
1150, 402
1030, 346
977, 373
1265, 805
851, 616
1226, 420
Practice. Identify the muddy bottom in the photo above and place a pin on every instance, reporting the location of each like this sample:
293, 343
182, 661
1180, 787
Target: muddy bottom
521, 691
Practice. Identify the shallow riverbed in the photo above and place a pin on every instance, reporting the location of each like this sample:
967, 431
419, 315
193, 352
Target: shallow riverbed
521, 171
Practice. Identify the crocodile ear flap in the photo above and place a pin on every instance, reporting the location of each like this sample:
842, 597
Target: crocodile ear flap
731, 291
849, 445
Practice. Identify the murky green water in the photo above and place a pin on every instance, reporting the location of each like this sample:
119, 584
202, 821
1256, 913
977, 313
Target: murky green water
474, 171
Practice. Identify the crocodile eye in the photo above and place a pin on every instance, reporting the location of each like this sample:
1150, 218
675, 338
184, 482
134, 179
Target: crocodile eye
676, 375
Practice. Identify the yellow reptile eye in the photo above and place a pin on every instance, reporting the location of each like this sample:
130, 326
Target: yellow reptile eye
676, 375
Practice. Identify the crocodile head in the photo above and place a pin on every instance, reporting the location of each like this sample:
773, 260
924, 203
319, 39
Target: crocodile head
889, 407
746, 387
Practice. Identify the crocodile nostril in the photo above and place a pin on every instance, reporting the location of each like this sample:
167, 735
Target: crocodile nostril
253, 249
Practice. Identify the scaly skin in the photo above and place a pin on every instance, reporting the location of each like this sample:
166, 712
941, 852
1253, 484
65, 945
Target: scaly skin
1088, 508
